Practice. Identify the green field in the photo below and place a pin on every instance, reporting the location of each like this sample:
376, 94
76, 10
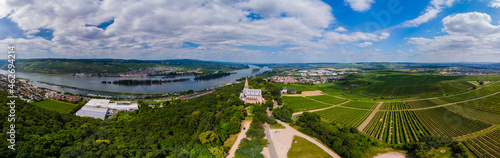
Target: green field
55, 105
346, 116
303, 103
302, 148
487, 145
486, 109
361, 105
396, 127
300, 88
327, 99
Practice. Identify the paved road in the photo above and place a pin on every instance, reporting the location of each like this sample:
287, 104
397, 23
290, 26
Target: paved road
272, 150
365, 123
241, 135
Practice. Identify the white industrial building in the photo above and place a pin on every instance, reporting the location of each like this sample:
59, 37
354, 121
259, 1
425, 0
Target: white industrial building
98, 108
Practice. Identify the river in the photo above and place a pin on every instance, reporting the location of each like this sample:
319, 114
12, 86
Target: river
94, 83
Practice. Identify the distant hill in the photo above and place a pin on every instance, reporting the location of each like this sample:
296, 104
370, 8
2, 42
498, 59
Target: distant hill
65, 66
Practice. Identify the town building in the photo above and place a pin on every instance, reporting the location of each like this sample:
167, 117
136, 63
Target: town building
99, 108
251, 95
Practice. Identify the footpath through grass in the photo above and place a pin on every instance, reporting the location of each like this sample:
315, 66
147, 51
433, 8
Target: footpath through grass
305, 149
55, 105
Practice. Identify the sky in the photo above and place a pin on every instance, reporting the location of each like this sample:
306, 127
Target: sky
255, 31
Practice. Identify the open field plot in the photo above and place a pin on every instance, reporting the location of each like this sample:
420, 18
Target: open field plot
299, 88
443, 122
55, 105
346, 116
394, 106
302, 148
406, 85
486, 109
489, 89
361, 105
487, 145
396, 127
303, 103
327, 99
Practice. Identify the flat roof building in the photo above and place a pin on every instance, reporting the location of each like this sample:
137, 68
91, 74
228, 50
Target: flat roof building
98, 108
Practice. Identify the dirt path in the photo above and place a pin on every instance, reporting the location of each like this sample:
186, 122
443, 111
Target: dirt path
391, 155
298, 113
282, 140
364, 124
241, 135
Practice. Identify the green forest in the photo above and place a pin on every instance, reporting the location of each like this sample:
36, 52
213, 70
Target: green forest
184, 128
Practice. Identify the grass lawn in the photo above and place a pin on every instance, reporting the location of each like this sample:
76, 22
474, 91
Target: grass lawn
55, 105
302, 103
277, 126
299, 88
327, 99
438, 154
304, 149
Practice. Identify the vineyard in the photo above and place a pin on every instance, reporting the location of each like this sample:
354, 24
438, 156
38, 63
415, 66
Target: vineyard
396, 127
443, 122
361, 105
327, 99
487, 145
303, 103
485, 109
346, 116
394, 106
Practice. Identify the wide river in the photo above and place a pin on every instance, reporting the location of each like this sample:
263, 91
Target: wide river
94, 83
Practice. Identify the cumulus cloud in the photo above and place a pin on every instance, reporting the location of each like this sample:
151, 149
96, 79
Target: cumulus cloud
365, 44
340, 29
430, 12
360, 5
470, 35
336, 38
494, 4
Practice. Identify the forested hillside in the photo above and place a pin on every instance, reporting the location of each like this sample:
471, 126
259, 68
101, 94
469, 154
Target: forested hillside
191, 128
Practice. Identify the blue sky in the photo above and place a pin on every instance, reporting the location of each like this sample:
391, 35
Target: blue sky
261, 31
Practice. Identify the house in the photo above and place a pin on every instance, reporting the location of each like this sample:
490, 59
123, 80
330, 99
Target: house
283, 90
293, 90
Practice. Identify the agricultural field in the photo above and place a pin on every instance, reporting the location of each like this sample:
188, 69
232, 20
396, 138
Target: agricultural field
361, 105
303, 103
394, 106
396, 127
487, 145
486, 109
406, 85
443, 122
327, 99
300, 88
55, 105
346, 116
489, 89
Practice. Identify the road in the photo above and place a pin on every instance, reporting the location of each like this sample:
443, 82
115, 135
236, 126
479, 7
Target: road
241, 135
270, 147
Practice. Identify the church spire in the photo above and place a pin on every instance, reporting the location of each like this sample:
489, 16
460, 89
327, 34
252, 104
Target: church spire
246, 83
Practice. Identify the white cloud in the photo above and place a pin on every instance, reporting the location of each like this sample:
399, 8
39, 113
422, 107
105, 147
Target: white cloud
360, 5
431, 11
365, 44
336, 38
494, 4
471, 36
340, 29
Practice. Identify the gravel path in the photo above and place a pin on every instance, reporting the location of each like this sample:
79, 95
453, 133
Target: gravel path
241, 135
